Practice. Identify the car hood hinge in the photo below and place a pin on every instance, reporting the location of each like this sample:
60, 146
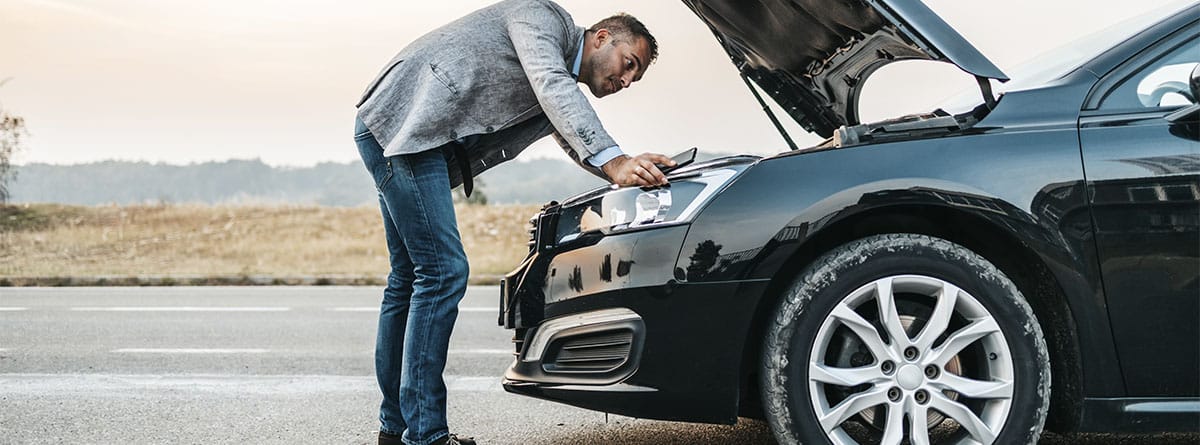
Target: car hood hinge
985, 87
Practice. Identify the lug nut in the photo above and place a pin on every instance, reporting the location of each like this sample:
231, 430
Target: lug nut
911, 353
921, 397
887, 367
931, 372
894, 394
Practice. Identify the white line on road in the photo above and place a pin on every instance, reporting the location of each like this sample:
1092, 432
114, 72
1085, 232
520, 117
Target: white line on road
188, 351
137, 385
13, 309
355, 309
482, 351
180, 309
376, 309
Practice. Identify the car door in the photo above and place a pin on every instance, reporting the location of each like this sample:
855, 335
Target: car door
1142, 175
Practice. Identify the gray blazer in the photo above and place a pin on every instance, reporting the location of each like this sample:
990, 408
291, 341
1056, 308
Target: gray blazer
502, 73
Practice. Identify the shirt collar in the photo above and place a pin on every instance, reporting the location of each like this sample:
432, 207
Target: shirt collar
578, 58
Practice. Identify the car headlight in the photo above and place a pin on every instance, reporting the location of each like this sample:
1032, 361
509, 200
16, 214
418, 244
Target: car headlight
613, 209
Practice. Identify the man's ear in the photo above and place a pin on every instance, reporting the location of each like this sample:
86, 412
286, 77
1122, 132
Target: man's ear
602, 36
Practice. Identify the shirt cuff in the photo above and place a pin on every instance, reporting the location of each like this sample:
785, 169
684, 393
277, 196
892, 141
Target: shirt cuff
605, 155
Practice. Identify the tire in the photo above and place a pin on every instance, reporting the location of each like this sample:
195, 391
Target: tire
984, 378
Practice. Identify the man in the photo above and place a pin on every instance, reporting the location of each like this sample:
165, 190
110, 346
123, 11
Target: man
455, 102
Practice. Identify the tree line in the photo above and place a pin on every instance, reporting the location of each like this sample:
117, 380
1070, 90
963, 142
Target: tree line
255, 182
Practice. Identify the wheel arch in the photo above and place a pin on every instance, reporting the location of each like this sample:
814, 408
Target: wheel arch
982, 236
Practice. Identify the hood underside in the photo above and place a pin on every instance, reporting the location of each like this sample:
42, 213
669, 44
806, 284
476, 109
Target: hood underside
813, 56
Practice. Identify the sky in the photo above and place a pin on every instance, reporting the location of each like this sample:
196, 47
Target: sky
181, 81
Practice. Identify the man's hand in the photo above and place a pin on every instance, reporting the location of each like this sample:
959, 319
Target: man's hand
638, 170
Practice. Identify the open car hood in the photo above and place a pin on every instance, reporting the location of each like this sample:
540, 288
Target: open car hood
814, 56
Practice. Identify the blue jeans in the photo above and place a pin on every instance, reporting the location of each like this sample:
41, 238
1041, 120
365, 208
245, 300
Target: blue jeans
427, 280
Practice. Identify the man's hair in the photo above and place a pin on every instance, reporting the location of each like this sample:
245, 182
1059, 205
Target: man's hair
622, 26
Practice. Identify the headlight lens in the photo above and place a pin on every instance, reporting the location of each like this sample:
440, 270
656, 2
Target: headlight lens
612, 209
652, 207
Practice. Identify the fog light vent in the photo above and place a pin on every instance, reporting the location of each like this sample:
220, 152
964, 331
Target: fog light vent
593, 352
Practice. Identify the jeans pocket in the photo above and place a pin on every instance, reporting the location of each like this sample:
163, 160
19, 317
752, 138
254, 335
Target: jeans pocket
382, 172
378, 165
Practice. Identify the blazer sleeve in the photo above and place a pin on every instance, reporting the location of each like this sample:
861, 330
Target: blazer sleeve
562, 143
539, 35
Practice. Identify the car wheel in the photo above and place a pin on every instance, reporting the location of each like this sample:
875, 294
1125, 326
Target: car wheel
904, 338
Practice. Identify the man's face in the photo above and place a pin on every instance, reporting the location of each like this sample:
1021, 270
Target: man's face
610, 65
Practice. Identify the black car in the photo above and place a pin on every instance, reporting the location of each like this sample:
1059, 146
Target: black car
1026, 258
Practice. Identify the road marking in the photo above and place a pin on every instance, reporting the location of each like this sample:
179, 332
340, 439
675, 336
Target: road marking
138, 385
376, 309
482, 351
13, 309
188, 351
180, 309
479, 309
355, 309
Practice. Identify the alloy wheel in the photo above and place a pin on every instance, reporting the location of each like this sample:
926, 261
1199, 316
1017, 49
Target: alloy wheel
957, 367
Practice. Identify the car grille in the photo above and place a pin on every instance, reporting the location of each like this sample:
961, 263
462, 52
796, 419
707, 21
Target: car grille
597, 352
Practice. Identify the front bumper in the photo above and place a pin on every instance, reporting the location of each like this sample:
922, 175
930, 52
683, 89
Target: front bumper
608, 324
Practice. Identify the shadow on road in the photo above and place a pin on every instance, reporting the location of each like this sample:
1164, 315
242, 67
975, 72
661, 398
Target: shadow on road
625, 430
749, 431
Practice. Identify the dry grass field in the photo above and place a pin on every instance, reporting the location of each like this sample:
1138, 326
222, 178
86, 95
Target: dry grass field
49, 241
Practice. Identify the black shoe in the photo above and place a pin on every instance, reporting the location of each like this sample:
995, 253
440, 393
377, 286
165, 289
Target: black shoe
388, 439
453, 439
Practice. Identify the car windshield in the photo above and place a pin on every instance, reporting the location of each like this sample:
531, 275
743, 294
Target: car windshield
1065, 59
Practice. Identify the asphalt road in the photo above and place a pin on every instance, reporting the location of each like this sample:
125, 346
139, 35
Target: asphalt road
275, 365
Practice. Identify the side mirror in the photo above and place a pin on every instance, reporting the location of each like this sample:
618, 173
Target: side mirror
1191, 112
1194, 82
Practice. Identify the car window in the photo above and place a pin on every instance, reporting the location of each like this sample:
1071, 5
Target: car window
1161, 83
